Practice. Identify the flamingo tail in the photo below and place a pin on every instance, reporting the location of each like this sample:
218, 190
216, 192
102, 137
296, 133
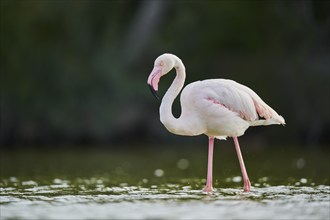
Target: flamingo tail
278, 120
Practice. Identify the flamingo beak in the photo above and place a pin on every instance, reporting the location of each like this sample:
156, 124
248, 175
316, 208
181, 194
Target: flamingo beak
153, 80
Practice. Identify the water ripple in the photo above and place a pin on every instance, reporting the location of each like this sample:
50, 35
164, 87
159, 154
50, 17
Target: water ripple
62, 200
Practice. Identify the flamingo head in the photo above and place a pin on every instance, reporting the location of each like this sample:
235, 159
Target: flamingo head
163, 64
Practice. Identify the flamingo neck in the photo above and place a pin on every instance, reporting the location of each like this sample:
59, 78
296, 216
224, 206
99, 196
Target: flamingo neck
166, 116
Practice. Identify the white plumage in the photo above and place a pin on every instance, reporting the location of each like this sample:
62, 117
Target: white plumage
218, 108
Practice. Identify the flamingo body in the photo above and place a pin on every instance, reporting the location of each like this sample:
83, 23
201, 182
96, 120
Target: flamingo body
218, 108
222, 108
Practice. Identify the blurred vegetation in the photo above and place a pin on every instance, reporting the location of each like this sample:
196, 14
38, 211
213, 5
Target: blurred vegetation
74, 72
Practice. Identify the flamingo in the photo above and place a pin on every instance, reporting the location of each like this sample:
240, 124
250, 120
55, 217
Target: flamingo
218, 108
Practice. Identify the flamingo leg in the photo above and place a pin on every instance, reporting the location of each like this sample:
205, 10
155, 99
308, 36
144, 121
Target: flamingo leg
247, 184
208, 188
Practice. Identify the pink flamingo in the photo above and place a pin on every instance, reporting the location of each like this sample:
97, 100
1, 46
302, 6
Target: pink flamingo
218, 108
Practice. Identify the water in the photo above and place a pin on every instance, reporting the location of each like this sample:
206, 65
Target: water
145, 186
63, 200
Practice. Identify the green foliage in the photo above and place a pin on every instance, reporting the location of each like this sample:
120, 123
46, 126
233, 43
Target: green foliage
69, 72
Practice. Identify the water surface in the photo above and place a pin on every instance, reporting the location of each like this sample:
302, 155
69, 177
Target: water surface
145, 185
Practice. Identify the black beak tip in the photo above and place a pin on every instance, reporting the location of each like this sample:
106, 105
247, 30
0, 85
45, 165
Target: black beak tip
154, 92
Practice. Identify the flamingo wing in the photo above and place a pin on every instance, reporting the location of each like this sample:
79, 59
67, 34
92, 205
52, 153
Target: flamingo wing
238, 99
263, 110
224, 93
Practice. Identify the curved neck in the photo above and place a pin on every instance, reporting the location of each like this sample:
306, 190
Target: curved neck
166, 116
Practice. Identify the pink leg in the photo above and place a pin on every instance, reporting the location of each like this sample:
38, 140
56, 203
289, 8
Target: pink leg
208, 188
247, 184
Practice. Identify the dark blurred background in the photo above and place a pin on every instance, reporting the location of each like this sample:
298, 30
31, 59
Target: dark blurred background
73, 73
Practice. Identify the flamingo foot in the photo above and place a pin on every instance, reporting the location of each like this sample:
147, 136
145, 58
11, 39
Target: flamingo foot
247, 185
208, 188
